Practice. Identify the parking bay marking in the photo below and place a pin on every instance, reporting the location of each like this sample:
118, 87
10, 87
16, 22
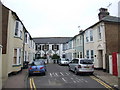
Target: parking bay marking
101, 82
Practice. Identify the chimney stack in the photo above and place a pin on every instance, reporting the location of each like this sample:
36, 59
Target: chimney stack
103, 13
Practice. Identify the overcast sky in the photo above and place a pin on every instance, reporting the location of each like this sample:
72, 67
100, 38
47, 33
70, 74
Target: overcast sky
59, 18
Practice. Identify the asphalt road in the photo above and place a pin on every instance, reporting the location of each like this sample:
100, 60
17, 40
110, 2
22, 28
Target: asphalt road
59, 77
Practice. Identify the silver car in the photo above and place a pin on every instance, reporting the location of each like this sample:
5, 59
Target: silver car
81, 66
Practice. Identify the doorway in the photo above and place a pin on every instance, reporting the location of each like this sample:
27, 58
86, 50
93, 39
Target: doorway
100, 59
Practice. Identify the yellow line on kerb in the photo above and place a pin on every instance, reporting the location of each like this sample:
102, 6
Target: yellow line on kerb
102, 83
32, 84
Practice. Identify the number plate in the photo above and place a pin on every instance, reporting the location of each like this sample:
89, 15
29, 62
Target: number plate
36, 71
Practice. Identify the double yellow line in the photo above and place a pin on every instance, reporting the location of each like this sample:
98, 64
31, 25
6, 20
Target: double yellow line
32, 84
102, 83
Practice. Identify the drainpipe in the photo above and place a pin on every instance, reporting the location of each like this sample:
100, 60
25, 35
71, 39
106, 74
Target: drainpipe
24, 51
83, 45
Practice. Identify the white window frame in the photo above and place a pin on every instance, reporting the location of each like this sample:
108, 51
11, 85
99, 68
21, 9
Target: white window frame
91, 35
18, 56
19, 29
87, 36
99, 33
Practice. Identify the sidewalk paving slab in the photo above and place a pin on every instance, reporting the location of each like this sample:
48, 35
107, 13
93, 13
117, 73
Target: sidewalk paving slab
17, 80
106, 77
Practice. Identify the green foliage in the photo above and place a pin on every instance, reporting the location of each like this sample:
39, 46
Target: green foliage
55, 56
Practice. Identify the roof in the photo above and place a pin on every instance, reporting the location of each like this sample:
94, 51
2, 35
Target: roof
51, 40
17, 18
108, 18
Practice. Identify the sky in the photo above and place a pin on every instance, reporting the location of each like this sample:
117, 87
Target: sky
59, 18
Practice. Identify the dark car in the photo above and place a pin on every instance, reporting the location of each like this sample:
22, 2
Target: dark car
37, 67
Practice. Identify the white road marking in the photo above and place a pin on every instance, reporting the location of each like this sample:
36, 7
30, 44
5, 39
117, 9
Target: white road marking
56, 74
64, 80
67, 73
73, 80
50, 74
61, 73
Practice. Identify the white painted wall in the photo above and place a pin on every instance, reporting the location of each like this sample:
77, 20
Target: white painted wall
96, 45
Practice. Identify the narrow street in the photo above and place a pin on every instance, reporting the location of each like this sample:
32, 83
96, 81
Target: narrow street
59, 77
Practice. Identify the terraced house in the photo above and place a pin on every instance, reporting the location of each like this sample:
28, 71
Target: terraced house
48, 46
101, 41
74, 48
14, 43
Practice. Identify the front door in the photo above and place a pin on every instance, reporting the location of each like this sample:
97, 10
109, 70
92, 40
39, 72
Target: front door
100, 58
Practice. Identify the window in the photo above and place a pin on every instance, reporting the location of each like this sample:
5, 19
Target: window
87, 52
19, 61
91, 35
87, 37
80, 40
75, 61
55, 47
99, 33
18, 29
36, 47
80, 54
92, 55
45, 47
17, 56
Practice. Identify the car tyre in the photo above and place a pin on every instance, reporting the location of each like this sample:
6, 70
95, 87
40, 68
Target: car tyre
91, 73
69, 68
29, 75
44, 73
76, 73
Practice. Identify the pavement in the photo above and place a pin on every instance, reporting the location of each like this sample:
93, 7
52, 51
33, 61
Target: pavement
19, 80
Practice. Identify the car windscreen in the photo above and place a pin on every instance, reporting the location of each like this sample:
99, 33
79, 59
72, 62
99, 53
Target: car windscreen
86, 62
37, 63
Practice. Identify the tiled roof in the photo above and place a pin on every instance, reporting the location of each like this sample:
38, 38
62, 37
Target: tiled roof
51, 40
111, 19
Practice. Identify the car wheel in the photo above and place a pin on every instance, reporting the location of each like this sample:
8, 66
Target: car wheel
91, 73
29, 75
44, 73
76, 73
69, 68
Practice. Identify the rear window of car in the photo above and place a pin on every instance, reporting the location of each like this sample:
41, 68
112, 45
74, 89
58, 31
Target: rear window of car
86, 62
38, 63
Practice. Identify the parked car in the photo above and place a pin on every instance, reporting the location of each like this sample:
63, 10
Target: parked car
63, 61
37, 67
81, 66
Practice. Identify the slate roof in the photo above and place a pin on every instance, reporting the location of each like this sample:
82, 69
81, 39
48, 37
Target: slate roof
111, 19
51, 40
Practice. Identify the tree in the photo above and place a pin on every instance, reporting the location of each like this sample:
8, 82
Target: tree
55, 56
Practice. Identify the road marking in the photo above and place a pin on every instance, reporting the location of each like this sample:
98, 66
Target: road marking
102, 83
32, 84
73, 80
56, 74
67, 73
64, 80
50, 74
61, 73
